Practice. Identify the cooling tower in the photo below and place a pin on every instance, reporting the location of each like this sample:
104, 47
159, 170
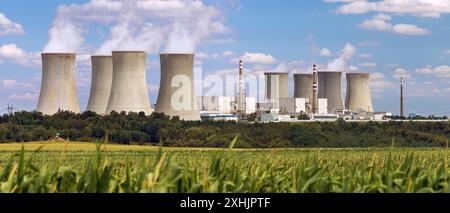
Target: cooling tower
129, 87
303, 86
102, 74
176, 92
358, 96
330, 88
276, 85
58, 89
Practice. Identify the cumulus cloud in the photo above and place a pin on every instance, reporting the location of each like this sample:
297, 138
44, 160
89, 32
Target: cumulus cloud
379, 83
422, 8
402, 73
381, 22
11, 53
325, 52
256, 58
148, 25
345, 55
439, 71
9, 27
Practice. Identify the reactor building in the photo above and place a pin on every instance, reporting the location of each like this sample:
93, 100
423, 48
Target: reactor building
358, 98
276, 85
129, 86
58, 87
330, 88
176, 92
102, 75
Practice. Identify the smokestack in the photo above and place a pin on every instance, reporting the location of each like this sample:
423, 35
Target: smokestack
102, 75
58, 87
315, 100
241, 98
276, 85
358, 96
176, 92
129, 86
401, 98
330, 85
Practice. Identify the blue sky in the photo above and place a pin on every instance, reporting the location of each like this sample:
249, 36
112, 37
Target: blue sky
386, 38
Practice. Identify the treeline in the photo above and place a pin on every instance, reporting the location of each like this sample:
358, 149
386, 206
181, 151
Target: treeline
137, 128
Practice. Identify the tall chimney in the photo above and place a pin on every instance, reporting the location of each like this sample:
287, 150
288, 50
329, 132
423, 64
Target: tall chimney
401, 98
315, 95
241, 98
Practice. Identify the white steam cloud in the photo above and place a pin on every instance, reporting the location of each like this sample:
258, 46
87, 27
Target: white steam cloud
341, 63
147, 25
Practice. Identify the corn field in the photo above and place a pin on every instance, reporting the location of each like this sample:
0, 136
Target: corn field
371, 170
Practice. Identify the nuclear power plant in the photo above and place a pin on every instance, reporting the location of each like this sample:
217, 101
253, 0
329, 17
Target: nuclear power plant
102, 75
58, 87
330, 89
276, 85
176, 91
358, 96
119, 84
129, 91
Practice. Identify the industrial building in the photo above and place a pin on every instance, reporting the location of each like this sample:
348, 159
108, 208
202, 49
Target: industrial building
358, 98
330, 88
129, 86
102, 75
176, 92
58, 87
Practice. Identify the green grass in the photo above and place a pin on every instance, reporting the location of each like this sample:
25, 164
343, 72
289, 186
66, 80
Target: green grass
86, 167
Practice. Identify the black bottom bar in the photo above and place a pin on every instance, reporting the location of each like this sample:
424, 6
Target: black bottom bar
223, 202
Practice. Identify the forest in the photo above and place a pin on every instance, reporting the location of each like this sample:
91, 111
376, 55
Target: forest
154, 129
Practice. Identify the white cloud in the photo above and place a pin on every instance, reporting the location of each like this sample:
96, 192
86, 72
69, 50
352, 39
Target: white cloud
400, 72
409, 29
380, 22
345, 55
256, 58
368, 65
9, 27
379, 83
392, 65
23, 97
10, 83
439, 71
10, 53
422, 8
148, 25
325, 52
227, 53
365, 56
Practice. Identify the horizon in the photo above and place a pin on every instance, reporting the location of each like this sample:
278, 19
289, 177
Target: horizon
409, 41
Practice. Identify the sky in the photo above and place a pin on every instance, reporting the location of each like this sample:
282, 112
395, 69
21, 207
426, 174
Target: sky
387, 38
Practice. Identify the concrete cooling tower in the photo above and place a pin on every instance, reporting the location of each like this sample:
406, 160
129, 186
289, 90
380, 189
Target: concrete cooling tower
303, 86
58, 89
330, 87
176, 92
276, 85
102, 74
358, 96
129, 86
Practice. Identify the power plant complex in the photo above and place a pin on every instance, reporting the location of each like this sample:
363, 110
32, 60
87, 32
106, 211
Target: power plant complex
119, 84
